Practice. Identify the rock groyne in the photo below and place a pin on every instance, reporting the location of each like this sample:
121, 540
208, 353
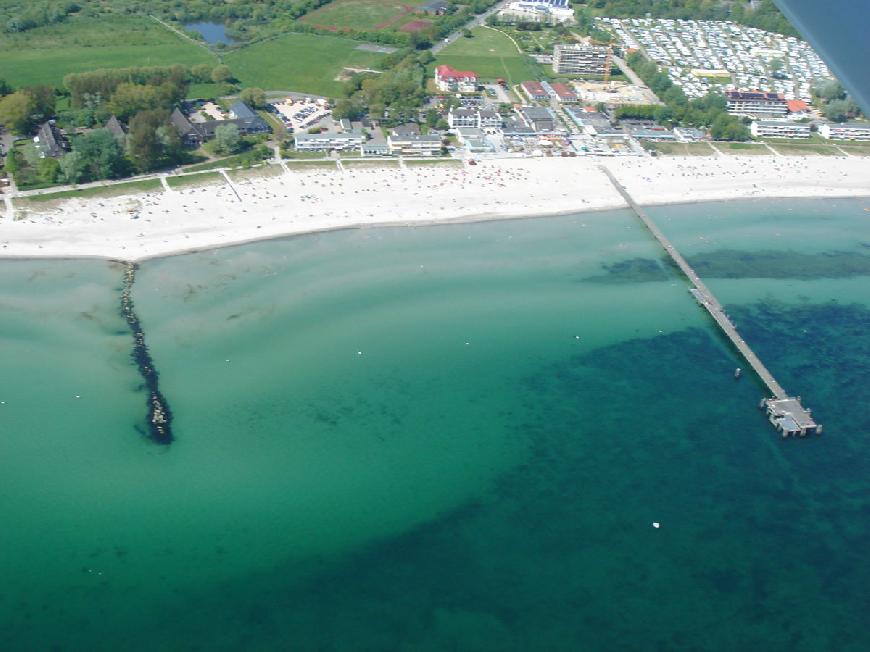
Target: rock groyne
159, 415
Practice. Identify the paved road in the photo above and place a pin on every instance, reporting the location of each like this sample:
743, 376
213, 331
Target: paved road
477, 21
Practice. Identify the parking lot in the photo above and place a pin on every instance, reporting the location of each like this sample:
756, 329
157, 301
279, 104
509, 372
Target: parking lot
302, 114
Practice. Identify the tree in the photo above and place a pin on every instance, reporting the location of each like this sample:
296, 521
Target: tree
132, 98
255, 97
221, 74
227, 139
72, 168
16, 112
5, 88
149, 141
48, 170
840, 110
466, 33
346, 108
101, 156
201, 72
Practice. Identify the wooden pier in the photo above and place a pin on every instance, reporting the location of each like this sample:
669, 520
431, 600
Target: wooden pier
785, 412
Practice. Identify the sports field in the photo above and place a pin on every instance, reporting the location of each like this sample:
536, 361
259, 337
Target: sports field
490, 54
307, 63
363, 14
44, 55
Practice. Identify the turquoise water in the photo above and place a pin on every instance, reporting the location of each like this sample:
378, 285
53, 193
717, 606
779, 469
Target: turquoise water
444, 438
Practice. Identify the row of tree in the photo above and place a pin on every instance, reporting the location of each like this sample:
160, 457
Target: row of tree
709, 111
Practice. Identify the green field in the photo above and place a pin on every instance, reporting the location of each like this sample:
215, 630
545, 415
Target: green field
804, 149
307, 63
194, 180
44, 55
364, 14
490, 54
208, 91
258, 172
743, 149
681, 149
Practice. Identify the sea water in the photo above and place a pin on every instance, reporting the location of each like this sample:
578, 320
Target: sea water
444, 438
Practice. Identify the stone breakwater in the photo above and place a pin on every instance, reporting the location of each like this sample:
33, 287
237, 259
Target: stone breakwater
159, 415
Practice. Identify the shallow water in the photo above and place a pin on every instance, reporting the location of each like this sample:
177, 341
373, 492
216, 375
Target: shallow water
442, 438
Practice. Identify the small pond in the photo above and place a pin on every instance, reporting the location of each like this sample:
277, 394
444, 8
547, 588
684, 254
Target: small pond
212, 32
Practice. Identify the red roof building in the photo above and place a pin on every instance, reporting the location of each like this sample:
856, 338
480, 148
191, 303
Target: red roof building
535, 90
797, 106
563, 92
449, 79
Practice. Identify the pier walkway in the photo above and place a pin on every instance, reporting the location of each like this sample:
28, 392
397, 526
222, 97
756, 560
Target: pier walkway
786, 413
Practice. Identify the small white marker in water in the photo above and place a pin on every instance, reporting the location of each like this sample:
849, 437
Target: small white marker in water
576, 337
656, 525
77, 396
359, 352
227, 360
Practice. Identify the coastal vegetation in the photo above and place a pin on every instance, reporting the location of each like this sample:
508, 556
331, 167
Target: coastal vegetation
834, 102
395, 95
709, 111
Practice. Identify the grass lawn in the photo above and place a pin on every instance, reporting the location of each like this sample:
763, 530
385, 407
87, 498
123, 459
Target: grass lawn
439, 162
854, 148
350, 164
324, 164
234, 161
803, 149
363, 14
45, 54
194, 180
308, 63
259, 172
208, 91
490, 54
741, 149
683, 149
114, 190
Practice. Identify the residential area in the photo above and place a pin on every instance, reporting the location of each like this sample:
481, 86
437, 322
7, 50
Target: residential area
527, 80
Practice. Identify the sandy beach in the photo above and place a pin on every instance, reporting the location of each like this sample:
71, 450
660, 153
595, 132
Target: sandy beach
153, 224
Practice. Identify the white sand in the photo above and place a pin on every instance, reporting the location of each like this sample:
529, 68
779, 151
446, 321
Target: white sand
318, 199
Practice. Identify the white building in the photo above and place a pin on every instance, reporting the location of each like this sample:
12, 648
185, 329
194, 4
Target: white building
779, 129
580, 59
756, 104
846, 131
414, 144
328, 142
449, 80
539, 11
486, 119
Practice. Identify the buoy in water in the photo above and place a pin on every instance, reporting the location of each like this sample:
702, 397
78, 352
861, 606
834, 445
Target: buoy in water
656, 525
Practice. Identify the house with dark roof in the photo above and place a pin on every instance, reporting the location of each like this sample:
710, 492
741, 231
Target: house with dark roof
189, 134
50, 141
195, 133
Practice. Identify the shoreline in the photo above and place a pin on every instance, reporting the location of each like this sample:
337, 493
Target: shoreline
203, 218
